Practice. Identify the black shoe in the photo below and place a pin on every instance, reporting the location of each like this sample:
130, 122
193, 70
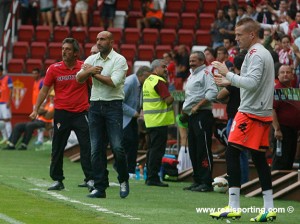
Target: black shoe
23, 147
9, 147
124, 189
203, 188
97, 194
191, 186
156, 183
56, 186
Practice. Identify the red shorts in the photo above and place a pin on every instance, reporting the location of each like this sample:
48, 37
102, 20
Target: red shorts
249, 131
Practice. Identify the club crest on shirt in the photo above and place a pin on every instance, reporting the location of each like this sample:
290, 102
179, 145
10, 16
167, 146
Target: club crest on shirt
252, 51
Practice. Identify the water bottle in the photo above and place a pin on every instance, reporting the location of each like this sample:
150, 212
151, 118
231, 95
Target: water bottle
278, 148
145, 172
137, 172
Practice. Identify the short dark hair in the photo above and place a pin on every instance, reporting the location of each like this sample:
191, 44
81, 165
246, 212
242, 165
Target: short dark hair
36, 70
1, 67
238, 60
74, 42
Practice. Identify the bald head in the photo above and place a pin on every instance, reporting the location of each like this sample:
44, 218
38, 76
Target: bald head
105, 43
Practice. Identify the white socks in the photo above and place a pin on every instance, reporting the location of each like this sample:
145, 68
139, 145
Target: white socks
268, 199
234, 197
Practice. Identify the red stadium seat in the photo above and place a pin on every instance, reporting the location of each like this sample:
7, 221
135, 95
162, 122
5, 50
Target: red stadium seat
205, 20
93, 32
192, 6
38, 50
60, 33
188, 20
132, 36
117, 33
128, 51
171, 20
137, 5
209, 6
203, 37
123, 5
79, 33
133, 16
96, 18
15, 65
20, 49
55, 51
174, 6
26, 33
145, 52
42, 33
87, 49
48, 62
32, 63
150, 36
186, 37
161, 49
167, 37
129, 71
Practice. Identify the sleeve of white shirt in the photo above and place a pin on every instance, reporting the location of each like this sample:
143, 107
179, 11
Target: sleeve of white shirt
211, 91
119, 71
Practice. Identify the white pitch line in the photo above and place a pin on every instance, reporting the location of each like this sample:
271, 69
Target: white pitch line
96, 207
9, 219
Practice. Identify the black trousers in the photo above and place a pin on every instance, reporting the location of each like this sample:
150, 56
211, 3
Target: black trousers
289, 147
157, 145
200, 130
64, 123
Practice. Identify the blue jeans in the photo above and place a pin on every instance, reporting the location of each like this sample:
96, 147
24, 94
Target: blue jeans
106, 124
243, 158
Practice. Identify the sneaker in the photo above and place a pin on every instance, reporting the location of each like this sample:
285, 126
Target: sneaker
132, 176
97, 194
202, 188
264, 217
226, 212
124, 189
10, 146
56, 186
23, 146
4, 141
191, 186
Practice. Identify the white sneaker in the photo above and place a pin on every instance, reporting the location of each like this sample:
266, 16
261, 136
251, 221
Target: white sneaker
132, 176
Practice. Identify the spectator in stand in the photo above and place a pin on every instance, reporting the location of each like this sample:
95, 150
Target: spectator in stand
158, 115
296, 55
108, 13
230, 45
43, 120
197, 108
46, 9
218, 29
182, 62
231, 95
5, 6
222, 56
286, 123
285, 54
37, 85
251, 10
6, 90
29, 9
279, 15
81, 12
209, 55
153, 17
297, 18
63, 12
94, 49
264, 15
171, 67
131, 112
241, 13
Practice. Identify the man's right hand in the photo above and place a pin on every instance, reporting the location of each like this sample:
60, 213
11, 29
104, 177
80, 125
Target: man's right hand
33, 115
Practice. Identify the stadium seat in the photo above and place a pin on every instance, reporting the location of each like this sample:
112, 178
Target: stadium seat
129, 71
60, 33
20, 49
192, 6
209, 6
203, 37
79, 33
48, 62
167, 37
133, 16
32, 63
93, 32
198, 48
174, 6
55, 51
96, 18
205, 20
15, 65
150, 36
26, 33
189, 20
42, 33
128, 51
138, 64
87, 49
171, 20
123, 5
117, 33
186, 37
38, 50
145, 52
161, 49
137, 5
132, 36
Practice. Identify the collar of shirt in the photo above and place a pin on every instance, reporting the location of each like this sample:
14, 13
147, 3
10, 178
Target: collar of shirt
109, 56
198, 69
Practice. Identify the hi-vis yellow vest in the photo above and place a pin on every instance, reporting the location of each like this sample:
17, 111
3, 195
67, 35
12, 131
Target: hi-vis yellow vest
156, 111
